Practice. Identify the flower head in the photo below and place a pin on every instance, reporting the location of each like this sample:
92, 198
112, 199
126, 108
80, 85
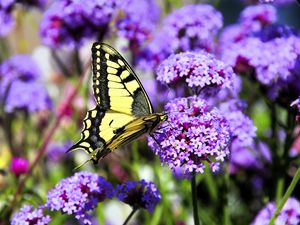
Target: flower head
137, 24
181, 32
18, 85
290, 214
258, 16
197, 134
141, 194
71, 22
199, 71
79, 194
19, 166
29, 215
57, 150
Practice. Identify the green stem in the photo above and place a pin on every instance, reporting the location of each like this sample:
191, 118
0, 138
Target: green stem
226, 217
60, 64
130, 215
286, 196
78, 61
194, 200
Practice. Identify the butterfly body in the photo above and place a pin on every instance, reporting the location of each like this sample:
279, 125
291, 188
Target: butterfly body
123, 112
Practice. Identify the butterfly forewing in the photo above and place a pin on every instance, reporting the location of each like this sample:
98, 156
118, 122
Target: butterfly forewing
116, 87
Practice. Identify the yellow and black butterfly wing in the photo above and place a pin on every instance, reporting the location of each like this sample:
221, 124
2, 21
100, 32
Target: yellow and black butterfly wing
116, 87
123, 112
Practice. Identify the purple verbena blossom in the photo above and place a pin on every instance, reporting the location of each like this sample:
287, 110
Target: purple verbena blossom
182, 32
79, 194
30, 216
258, 16
141, 194
21, 95
70, 22
241, 126
199, 70
19, 166
252, 157
19, 85
271, 60
30, 3
137, 24
56, 151
289, 215
196, 134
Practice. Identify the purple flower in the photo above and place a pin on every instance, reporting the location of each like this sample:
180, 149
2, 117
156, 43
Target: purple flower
200, 71
18, 67
19, 166
137, 24
56, 151
18, 85
71, 22
79, 194
241, 126
253, 156
21, 95
196, 134
271, 60
28, 215
274, 31
141, 194
258, 16
289, 215
182, 32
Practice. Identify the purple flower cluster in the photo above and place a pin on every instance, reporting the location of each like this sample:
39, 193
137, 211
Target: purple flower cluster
71, 22
137, 24
252, 19
141, 194
79, 194
19, 85
196, 134
28, 215
241, 126
200, 70
289, 215
182, 32
256, 17
252, 157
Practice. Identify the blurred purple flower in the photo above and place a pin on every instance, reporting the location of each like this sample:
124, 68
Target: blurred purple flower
79, 194
31, 216
289, 215
274, 31
141, 194
57, 150
18, 85
258, 16
21, 96
19, 166
196, 134
182, 32
253, 156
272, 60
30, 3
137, 24
241, 126
72, 22
201, 71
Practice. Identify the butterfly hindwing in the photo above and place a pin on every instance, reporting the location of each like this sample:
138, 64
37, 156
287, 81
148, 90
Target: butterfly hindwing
116, 87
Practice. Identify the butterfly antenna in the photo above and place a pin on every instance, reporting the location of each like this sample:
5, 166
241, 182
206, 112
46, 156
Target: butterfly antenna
156, 142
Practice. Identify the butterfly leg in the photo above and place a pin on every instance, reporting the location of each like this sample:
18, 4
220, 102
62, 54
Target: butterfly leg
151, 135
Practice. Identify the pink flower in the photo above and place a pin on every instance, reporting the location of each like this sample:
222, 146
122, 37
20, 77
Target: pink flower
19, 166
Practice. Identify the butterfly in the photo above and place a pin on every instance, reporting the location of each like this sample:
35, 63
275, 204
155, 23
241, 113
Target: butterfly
123, 111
